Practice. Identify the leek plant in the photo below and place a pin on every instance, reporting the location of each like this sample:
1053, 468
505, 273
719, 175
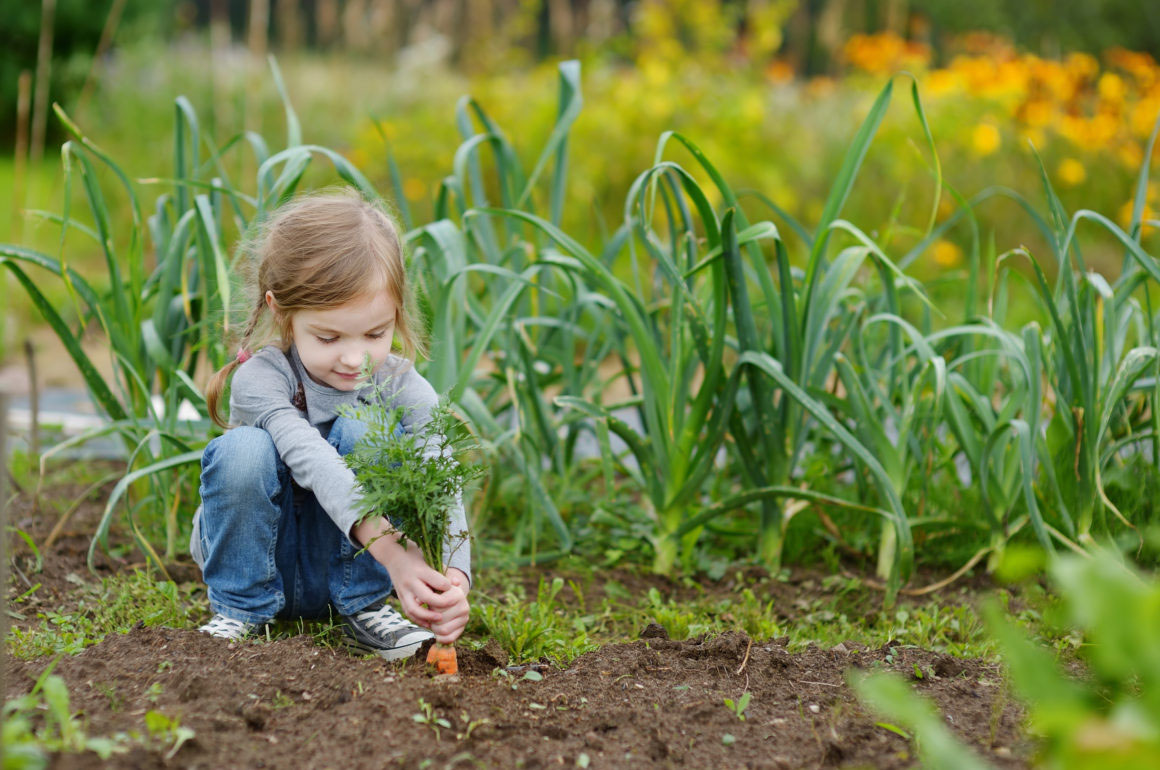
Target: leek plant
1102, 342
795, 345
506, 322
168, 297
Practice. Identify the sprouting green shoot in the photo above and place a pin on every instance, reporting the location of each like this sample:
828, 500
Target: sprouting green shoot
737, 707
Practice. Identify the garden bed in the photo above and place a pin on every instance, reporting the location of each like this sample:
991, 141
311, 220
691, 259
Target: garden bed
647, 702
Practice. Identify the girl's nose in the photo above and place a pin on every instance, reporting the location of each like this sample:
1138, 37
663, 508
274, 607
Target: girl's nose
352, 357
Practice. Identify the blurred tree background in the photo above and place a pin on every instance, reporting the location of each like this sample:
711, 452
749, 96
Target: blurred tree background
475, 34
771, 90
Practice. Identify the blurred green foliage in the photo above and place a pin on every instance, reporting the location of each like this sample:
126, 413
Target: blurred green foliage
1092, 25
77, 28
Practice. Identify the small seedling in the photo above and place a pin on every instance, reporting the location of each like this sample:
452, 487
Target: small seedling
168, 730
470, 726
894, 729
738, 707
427, 716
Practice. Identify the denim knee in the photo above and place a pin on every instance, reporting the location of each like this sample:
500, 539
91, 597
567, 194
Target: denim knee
242, 458
345, 433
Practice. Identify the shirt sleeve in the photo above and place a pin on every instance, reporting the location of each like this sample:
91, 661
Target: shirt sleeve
261, 396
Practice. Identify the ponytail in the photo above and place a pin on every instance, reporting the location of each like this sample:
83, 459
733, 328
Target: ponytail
213, 392
217, 383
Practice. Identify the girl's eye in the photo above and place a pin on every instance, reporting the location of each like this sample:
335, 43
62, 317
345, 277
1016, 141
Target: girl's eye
327, 340
377, 335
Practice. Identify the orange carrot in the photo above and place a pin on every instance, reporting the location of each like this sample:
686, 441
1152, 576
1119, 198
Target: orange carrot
442, 656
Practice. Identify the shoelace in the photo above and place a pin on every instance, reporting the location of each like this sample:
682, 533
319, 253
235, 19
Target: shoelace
221, 625
382, 619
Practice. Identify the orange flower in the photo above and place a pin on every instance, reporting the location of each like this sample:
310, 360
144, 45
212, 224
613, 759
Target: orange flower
779, 71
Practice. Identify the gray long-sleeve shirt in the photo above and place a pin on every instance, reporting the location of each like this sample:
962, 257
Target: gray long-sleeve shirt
261, 396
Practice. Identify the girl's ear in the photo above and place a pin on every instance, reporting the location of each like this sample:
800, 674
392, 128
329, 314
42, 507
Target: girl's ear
271, 302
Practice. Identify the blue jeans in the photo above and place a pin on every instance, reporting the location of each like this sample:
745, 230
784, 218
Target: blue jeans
266, 547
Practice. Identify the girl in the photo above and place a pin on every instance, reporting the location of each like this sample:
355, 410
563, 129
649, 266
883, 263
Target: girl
276, 534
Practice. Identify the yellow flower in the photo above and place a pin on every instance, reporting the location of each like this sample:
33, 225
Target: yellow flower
1071, 172
1144, 115
985, 139
1111, 87
1074, 129
1103, 127
942, 82
946, 254
1082, 66
1125, 215
358, 157
1130, 155
753, 108
1037, 112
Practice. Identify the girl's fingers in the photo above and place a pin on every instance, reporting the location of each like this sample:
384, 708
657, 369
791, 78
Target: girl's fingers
447, 633
437, 581
424, 595
448, 599
413, 606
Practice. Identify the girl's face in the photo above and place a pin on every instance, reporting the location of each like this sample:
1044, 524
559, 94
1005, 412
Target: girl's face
333, 343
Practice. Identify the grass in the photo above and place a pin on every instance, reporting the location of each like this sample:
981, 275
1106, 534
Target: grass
566, 617
113, 605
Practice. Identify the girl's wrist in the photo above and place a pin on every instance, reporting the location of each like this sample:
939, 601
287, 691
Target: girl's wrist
379, 537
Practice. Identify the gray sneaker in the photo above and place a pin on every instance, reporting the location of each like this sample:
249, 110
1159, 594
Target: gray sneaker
227, 628
380, 630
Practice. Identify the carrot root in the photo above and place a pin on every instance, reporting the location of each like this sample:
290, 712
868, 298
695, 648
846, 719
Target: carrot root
442, 657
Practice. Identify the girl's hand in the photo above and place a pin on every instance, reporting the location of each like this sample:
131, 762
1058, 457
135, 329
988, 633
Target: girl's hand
454, 607
415, 583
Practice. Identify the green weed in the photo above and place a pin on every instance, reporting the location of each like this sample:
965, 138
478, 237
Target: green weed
738, 707
168, 731
115, 605
529, 631
1109, 718
428, 716
42, 722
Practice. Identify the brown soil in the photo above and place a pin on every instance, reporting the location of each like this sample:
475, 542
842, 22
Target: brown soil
651, 702
648, 703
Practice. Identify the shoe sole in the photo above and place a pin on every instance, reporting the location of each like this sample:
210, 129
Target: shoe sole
395, 653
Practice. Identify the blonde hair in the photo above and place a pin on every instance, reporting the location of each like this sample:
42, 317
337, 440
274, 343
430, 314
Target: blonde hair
318, 252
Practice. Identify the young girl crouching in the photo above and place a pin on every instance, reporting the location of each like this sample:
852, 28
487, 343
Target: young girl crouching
277, 534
